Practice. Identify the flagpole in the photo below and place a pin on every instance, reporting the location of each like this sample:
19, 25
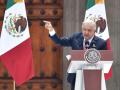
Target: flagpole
14, 85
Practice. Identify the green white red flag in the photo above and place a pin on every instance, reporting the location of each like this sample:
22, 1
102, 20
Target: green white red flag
15, 42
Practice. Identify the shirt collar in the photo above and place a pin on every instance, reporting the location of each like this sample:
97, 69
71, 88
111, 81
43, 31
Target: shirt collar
90, 40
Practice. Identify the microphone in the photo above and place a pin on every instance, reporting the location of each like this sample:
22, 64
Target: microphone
87, 44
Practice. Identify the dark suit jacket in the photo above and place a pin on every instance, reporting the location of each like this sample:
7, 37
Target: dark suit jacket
76, 43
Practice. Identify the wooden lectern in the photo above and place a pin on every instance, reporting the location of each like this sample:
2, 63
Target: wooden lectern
90, 76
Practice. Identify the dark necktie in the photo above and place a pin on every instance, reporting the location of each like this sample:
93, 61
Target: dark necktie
87, 44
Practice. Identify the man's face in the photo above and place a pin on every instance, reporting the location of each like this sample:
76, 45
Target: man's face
88, 31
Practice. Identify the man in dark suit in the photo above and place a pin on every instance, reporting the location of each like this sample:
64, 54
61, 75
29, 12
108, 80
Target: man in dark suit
78, 41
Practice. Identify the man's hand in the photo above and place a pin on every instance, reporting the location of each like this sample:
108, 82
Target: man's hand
48, 25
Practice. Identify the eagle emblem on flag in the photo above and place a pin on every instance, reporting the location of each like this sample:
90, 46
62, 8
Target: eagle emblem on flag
15, 25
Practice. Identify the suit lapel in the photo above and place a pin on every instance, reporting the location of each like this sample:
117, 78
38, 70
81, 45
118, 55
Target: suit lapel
93, 43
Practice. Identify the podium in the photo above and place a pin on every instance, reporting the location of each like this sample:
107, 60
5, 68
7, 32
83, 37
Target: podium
90, 76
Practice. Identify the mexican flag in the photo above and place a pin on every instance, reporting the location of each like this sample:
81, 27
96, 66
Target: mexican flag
15, 42
96, 11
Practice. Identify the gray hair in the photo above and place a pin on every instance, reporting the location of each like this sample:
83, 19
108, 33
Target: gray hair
90, 23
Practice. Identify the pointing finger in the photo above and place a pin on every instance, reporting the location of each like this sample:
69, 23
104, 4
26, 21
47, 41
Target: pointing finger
46, 21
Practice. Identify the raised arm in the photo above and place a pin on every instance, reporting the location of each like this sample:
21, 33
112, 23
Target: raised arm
64, 41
